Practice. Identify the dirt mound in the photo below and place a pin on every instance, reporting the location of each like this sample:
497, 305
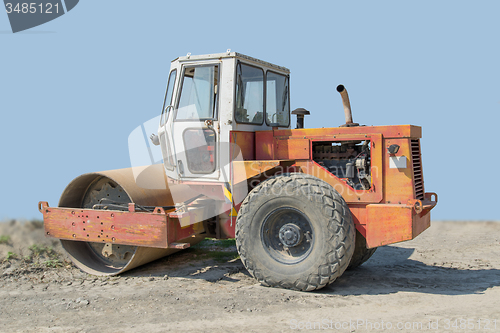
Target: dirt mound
25, 252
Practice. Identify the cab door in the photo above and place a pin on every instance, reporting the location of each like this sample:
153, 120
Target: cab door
165, 129
195, 125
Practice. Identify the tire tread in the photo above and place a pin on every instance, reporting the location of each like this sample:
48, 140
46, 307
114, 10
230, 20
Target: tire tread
335, 260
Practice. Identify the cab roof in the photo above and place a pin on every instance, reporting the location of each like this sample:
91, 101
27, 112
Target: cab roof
190, 57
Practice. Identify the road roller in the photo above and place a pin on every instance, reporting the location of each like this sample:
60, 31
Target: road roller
304, 204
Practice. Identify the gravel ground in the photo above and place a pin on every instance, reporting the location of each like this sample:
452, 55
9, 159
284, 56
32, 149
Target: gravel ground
446, 280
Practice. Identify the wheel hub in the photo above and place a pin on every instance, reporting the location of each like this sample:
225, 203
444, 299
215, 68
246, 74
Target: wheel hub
290, 235
287, 235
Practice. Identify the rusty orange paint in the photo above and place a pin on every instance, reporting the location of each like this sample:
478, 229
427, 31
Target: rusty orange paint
244, 170
388, 224
399, 181
328, 134
391, 223
298, 149
176, 231
386, 212
264, 145
153, 229
246, 143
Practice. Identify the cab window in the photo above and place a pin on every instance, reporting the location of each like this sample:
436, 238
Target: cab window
249, 106
277, 100
168, 96
198, 98
200, 149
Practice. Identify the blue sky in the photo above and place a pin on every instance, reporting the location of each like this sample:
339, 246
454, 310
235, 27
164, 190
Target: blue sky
73, 89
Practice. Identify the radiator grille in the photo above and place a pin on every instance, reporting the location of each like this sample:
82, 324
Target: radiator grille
418, 178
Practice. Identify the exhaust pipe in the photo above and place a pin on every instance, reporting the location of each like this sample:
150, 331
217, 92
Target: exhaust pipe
300, 113
347, 106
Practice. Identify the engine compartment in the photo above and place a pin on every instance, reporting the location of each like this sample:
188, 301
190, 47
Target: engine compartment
347, 160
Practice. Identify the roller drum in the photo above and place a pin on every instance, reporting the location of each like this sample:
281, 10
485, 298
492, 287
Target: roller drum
146, 186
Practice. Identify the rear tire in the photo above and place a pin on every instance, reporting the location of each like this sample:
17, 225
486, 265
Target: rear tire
361, 253
295, 231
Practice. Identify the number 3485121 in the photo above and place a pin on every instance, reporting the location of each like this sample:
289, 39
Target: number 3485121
32, 8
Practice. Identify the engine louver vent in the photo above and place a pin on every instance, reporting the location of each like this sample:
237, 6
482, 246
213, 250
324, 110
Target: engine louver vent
418, 179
